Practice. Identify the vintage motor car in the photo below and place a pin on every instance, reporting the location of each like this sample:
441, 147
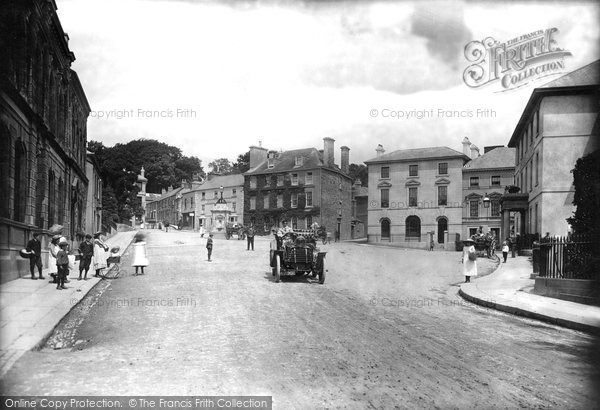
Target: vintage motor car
296, 253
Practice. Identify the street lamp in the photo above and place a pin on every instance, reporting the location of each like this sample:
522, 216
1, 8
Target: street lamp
486, 201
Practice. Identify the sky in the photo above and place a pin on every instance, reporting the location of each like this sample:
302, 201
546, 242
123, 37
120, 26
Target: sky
213, 78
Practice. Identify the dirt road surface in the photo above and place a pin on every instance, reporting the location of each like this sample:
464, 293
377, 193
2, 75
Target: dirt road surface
385, 330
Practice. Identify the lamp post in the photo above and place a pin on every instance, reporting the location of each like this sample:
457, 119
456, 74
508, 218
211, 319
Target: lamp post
339, 223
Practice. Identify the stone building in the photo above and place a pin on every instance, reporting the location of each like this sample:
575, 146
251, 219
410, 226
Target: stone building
485, 178
559, 124
360, 210
93, 213
199, 208
299, 186
164, 208
43, 125
415, 195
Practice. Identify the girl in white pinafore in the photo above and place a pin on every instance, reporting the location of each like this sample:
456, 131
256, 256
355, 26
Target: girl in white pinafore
100, 254
139, 253
469, 266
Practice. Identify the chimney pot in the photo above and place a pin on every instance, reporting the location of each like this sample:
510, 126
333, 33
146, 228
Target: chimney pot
466, 144
345, 160
328, 155
379, 150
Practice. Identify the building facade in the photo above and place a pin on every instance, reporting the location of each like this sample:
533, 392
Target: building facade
415, 196
199, 200
93, 212
559, 124
164, 208
485, 178
360, 210
43, 126
300, 187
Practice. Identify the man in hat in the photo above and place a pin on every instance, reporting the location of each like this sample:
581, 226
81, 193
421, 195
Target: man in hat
209, 245
250, 237
35, 246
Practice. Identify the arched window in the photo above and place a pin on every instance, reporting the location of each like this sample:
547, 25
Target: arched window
413, 228
442, 226
62, 201
385, 229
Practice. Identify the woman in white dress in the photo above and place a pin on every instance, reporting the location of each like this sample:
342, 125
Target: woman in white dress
100, 253
52, 251
469, 259
140, 260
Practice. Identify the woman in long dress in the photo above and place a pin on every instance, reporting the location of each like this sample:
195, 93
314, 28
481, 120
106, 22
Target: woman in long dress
100, 254
140, 260
53, 250
469, 259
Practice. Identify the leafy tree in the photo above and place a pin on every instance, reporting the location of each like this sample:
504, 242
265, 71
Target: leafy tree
242, 164
586, 179
220, 166
359, 171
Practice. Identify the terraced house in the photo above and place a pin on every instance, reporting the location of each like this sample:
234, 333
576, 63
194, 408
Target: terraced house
299, 186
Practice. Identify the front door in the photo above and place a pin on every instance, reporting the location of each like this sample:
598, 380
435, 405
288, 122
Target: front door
442, 227
385, 229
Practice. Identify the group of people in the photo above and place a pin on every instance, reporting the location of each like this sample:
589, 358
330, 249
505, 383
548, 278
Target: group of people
92, 250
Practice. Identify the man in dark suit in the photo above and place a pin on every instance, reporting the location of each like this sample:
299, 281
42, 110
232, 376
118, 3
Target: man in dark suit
35, 246
250, 237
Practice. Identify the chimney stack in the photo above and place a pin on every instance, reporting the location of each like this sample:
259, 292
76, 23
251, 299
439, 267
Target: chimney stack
328, 155
466, 144
380, 150
345, 161
474, 151
257, 155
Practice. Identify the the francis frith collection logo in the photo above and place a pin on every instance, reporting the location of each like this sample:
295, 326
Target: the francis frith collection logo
516, 62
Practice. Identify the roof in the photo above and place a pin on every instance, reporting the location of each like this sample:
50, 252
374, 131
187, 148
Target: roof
286, 161
216, 181
501, 157
418, 154
584, 79
586, 75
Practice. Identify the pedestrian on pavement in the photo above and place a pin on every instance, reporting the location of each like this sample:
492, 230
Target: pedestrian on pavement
62, 264
469, 259
139, 253
505, 250
35, 260
250, 237
86, 251
53, 250
100, 254
209, 245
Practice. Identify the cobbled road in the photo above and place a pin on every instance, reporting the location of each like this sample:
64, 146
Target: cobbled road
385, 330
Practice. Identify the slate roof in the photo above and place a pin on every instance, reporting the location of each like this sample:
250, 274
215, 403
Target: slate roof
586, 75
286, 161
416, 154
501, 157
216, 181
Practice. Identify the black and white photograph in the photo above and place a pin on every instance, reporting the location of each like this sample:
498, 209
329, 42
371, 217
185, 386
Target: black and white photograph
299, 204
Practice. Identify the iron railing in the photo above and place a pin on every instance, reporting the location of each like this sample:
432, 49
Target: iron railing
569, 258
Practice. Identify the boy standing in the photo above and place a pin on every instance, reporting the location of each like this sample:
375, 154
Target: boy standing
35, 260
86, 250
250, 237
209, 245
62, 263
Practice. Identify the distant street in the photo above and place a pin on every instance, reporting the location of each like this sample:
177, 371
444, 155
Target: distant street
386, 329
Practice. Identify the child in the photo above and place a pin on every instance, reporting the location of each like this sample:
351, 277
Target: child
469, 260
100, 256
86, 250
209, 245
62, 264
505, 250
139, 253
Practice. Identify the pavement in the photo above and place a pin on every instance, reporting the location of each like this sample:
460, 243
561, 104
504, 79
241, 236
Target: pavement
510, 288
31, 309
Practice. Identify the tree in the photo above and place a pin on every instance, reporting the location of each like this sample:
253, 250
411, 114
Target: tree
220, 166
586, 179
243, 163
359, 171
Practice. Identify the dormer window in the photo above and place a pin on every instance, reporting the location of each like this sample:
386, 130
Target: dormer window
270, 162
299, 161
